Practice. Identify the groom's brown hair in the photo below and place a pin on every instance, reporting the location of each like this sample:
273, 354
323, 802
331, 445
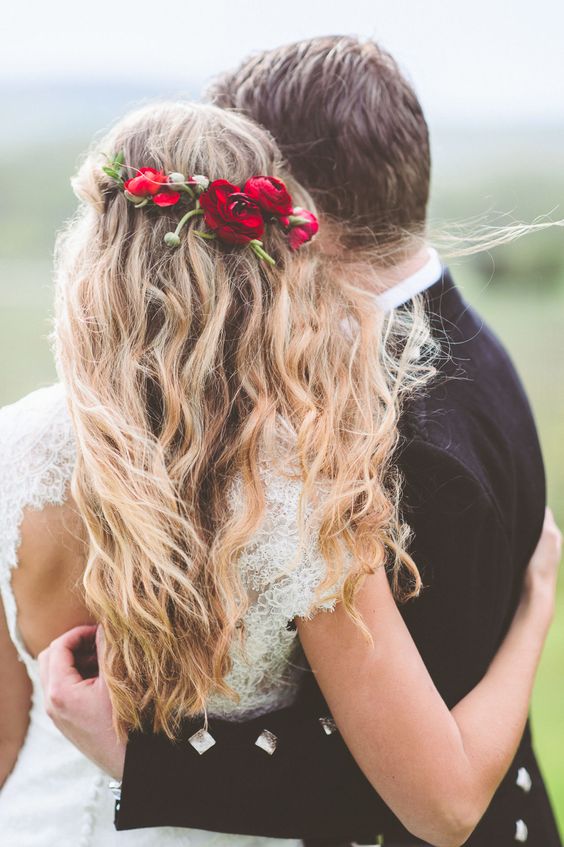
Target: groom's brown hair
348, 123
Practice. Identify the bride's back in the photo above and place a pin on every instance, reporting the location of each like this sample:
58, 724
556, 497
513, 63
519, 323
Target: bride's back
42, 549
47, 583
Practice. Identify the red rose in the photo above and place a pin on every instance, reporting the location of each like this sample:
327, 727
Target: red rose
271, 195
166, 198
147, 183
303, 229
231, 214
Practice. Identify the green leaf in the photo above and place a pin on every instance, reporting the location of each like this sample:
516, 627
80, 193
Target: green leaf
255, 245
119, 160
111, 172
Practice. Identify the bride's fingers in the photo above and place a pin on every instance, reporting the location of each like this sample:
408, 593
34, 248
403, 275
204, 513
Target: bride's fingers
61, 672
77, 636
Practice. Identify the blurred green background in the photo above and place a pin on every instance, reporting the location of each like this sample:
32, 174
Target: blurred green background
487, 175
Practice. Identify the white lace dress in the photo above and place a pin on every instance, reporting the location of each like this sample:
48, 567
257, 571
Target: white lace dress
55, 797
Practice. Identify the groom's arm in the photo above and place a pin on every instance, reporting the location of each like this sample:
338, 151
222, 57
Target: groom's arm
310, 786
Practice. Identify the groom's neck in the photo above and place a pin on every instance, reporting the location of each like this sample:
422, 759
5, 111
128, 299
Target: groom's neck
388, 277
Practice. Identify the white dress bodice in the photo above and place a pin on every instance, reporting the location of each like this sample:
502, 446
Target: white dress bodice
54, 795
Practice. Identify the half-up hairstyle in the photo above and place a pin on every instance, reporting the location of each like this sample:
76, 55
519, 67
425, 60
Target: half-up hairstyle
180, 366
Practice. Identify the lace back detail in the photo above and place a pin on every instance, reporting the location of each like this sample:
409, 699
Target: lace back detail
282, 573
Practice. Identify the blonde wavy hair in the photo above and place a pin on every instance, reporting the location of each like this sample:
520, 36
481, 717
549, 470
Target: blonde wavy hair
180, 366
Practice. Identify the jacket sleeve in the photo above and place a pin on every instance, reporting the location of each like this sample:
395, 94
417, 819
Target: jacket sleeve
471, 583
311, 787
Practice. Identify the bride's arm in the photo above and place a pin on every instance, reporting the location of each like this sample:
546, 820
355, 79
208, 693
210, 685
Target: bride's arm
436, 769
15, 701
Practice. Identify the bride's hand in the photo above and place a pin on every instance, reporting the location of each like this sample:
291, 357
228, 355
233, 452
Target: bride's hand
541, 575
77, 700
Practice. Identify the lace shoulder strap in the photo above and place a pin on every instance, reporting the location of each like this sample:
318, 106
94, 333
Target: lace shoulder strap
37, 455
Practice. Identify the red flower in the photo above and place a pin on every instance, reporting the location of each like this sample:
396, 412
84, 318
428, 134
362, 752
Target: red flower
166, 198
271, 195
147, 183
231, 214
304, 231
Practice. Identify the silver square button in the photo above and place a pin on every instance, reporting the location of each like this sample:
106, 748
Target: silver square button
329, 726
201, 741
267, 741
114, 786
521, 831
524, 780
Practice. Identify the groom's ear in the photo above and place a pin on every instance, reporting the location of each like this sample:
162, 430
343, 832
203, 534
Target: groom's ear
348, 123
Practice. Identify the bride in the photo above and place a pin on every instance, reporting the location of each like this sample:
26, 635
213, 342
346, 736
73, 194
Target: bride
214, 464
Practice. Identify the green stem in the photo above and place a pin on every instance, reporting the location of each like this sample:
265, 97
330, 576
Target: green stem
187, 189
295, 220
262, 254
184, 220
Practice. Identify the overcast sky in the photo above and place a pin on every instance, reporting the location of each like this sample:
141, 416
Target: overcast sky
480, 59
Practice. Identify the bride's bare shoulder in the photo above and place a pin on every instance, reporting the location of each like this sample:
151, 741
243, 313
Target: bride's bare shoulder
40, 529
47, 583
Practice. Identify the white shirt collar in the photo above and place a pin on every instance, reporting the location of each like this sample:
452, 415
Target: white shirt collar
422, 279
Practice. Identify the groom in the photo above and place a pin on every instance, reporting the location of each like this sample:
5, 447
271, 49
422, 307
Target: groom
353, 132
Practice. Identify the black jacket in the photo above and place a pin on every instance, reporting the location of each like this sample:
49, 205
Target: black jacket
475, 498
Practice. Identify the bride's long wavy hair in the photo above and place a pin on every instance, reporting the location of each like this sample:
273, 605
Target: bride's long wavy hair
180, 366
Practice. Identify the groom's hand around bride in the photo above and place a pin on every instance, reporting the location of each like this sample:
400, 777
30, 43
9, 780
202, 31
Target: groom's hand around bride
542, 571
76, 697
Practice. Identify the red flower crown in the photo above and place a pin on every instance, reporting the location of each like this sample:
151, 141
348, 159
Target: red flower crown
231, 215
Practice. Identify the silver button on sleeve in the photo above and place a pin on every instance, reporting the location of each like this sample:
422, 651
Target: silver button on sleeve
524, 780
267, 741
328, 725
114, 786
201, 741
521, 831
